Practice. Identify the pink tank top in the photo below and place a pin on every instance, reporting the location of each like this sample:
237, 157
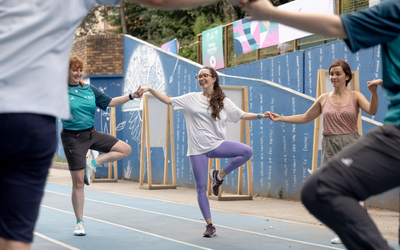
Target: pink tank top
340, 120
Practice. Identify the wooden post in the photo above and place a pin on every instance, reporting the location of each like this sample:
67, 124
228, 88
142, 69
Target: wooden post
199, 58
226, 47
247, 123
171, 128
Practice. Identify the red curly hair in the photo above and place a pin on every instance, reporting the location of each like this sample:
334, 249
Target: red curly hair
76, 63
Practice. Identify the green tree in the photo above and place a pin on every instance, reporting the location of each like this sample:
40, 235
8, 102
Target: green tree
158, 27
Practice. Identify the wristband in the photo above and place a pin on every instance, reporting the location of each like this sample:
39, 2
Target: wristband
130, 97
258, 116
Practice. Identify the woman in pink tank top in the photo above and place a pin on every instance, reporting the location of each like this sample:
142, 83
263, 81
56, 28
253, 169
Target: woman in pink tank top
339, 109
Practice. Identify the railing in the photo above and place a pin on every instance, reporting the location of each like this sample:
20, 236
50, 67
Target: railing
230, 59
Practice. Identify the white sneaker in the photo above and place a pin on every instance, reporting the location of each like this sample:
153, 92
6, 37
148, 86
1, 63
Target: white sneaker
88, 171
80, 229
336, 240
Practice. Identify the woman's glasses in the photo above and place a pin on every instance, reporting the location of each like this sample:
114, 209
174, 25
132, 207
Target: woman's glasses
202, 76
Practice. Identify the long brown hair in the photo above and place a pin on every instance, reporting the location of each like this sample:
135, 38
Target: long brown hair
217, 97
76, 63
345, 66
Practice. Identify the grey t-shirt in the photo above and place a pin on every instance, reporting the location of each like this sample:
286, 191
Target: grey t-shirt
36, 40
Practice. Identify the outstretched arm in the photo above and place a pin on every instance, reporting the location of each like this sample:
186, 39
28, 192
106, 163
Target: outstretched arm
160, 96
252, 116
311, 114
327, 25
117, 101
175, 4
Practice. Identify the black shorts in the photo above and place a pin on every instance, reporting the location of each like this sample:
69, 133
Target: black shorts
77, 143
28, 145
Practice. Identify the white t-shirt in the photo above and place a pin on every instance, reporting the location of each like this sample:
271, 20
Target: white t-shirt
204, 133
36, 38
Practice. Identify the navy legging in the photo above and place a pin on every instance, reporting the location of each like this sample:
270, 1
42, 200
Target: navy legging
239, 152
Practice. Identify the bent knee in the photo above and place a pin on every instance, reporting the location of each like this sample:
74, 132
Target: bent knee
248, 153
127, 151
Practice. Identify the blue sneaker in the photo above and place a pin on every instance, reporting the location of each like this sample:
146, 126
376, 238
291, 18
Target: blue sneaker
88, 171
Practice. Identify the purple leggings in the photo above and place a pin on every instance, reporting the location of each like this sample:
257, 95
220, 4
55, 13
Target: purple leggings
239, 152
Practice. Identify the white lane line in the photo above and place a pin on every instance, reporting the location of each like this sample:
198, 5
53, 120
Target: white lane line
132, 229
219, 225
55, 241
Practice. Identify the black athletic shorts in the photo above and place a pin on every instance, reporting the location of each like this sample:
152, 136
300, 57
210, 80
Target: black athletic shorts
77, 143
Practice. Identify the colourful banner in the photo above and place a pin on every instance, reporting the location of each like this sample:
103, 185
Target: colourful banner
171, 46
253, 35
213, 53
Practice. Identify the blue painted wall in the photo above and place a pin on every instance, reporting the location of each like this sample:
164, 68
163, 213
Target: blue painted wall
282, 152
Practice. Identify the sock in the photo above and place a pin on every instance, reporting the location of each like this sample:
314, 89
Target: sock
80, 221
219, 177
94, 163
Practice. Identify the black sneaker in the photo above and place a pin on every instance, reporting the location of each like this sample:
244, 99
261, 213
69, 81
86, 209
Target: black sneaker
215, 181
210, 231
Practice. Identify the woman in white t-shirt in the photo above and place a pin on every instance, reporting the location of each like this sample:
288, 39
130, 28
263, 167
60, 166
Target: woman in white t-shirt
207, 114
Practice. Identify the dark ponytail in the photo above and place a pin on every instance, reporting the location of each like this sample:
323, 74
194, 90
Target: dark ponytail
217, 97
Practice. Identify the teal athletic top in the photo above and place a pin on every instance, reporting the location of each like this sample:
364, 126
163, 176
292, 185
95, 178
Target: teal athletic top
83, 102
380, 25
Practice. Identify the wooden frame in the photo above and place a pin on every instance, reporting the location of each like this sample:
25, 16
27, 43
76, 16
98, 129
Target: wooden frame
113, 132
146, 142
321, 89
244, 130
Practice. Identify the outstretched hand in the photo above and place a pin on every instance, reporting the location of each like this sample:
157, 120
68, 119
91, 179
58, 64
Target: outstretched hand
373, 85
273, 117
265, 115
145, 89
257, 9
138, 93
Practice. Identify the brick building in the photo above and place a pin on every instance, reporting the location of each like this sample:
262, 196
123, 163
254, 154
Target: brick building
101, 54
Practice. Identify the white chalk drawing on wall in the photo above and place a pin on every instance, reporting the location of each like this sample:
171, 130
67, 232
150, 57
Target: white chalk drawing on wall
104, 120
121, 126
171, 78
128, 171
145, 69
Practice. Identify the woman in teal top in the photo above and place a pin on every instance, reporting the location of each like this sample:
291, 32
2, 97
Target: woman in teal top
79, 135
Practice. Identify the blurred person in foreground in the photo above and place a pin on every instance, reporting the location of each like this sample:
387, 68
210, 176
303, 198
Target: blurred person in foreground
36, 40
371, 165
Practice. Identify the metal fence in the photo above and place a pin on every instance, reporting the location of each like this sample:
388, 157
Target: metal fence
230, 59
